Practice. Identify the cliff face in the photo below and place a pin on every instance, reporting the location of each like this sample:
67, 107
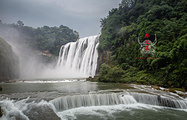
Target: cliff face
105, 56
9, 65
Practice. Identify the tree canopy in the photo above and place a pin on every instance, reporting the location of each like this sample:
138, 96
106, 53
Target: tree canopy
168, 20
43, 38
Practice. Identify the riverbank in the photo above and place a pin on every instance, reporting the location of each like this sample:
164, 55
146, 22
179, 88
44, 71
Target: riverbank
117, 74
138, 80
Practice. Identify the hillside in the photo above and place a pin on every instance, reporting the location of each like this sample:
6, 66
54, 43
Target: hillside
119, 49
41, 39
9, 65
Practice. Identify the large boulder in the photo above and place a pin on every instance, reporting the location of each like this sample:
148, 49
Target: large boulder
41, 113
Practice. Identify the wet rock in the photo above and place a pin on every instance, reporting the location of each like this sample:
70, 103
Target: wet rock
41, 113
166, 90
15, 115
1, 88
92, 79
96, 77
1, 112
172, 90
155, 87
89, 78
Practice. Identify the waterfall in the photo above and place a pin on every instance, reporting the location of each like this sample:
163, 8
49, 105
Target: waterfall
69, 102
80, 56
27, 109
159, 100
75, 101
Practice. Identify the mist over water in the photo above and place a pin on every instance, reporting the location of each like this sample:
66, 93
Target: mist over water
30, 62
76, 59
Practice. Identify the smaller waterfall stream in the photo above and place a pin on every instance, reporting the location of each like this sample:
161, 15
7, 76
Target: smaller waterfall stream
69, 102
80, 56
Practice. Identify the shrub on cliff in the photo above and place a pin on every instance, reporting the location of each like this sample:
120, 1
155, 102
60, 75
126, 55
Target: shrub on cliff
108, 74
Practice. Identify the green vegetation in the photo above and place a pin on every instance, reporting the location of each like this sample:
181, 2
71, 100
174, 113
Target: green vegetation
168, 20
9, 65
108, 74
42, 38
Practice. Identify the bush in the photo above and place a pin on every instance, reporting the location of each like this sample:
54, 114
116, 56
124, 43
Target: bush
125, 66
108, 74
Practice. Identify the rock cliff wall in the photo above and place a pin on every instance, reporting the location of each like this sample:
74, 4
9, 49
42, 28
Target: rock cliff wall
9, 63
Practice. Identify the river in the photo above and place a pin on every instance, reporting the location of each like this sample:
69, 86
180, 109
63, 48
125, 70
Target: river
78, 99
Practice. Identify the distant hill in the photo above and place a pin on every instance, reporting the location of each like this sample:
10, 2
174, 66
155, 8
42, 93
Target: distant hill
41, 38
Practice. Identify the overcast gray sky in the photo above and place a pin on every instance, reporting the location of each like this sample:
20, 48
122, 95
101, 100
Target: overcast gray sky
80, 15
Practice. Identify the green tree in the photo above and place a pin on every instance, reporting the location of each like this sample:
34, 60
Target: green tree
166, 19
20, 23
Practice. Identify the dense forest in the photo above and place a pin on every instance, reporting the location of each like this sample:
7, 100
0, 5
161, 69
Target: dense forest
119, 49
41, 38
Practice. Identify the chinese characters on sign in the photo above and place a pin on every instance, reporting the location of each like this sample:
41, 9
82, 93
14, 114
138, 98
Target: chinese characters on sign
147, 47
147, 35
147, 41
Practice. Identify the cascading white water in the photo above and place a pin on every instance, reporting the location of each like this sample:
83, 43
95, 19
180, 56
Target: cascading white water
80, 56
69, 102
159, 100
27, 109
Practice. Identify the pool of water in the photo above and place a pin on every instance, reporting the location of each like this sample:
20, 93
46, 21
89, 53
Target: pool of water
78, 99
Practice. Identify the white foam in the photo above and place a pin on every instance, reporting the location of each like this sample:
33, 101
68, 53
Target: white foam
12, 108
103, 111
48, 81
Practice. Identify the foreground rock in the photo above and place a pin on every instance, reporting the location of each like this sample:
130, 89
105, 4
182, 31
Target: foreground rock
41, 113
92, 79
1, 112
